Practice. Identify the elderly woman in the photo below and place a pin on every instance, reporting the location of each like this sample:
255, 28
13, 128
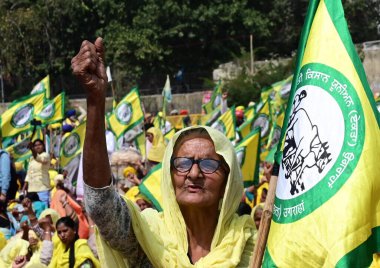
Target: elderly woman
201, 188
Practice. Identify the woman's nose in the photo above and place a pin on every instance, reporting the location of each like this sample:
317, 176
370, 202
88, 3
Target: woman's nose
195, 171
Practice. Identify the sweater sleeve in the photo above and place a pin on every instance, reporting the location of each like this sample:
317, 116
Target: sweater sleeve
111, 215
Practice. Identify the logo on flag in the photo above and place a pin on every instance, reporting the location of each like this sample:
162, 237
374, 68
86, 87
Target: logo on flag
218, 125
313, 160
262, 121
22, 116
124, 113
71, 145
22, 147
240, 154
47, 112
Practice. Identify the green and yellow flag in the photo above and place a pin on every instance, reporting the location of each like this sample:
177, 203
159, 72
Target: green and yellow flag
42, 86
327, 206
140, 144
53, 110
226, 124
250, 113
262, 119
72, 144
127, 115
215, 100
18, 117
151, 186
169, 135
248, 152
20, 151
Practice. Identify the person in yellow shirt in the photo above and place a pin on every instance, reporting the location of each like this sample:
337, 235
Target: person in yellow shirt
37, 177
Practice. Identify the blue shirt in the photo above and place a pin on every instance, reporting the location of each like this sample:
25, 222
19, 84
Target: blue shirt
5, 171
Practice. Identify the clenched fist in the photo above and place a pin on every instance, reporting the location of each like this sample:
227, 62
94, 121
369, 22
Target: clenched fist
89, 67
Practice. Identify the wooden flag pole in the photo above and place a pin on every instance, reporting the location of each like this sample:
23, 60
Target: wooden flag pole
265, 222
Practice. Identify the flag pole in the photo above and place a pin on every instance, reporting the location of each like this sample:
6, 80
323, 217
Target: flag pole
266, 219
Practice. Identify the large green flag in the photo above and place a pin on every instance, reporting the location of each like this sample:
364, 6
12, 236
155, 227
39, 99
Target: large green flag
72, 144
248, 154
327, 205
18, 117
127, 115
151, 186
215, 100
53, 110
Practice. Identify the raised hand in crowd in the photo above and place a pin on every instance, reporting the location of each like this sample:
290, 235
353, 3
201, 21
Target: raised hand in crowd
89, 68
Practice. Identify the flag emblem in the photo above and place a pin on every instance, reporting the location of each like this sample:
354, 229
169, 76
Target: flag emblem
22, 147
22, 116
314, 160
48, 111
262, 121
124, 113
218, 125
71, 145
240, 154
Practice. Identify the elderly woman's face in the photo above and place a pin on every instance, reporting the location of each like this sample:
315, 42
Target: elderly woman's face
194, 187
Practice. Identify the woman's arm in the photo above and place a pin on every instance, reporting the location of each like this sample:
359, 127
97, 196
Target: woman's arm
88, 66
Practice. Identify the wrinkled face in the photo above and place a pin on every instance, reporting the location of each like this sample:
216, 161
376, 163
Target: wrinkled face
194, 188
66, 234
38, 147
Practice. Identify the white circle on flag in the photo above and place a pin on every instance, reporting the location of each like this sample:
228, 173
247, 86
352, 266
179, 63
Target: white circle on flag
316, 131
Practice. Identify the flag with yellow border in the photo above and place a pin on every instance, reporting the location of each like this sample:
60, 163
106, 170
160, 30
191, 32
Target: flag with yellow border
262, 119
327, 206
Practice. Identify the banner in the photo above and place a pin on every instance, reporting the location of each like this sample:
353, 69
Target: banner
20, 150
327, 206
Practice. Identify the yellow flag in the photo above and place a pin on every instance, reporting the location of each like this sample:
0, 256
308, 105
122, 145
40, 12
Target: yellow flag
140, 144
127, 115
248, 152
72, 144
262, 119
226, 124
215, 100
169, 135
327, 206
20, 151
18, 117
42, 86
53, 110
151, 186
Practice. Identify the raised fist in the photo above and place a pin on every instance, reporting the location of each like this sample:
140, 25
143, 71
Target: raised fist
89, 67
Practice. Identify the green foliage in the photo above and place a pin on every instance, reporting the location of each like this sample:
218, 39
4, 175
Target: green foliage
147, 39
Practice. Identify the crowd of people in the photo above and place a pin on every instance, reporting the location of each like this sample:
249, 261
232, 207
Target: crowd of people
49, 216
